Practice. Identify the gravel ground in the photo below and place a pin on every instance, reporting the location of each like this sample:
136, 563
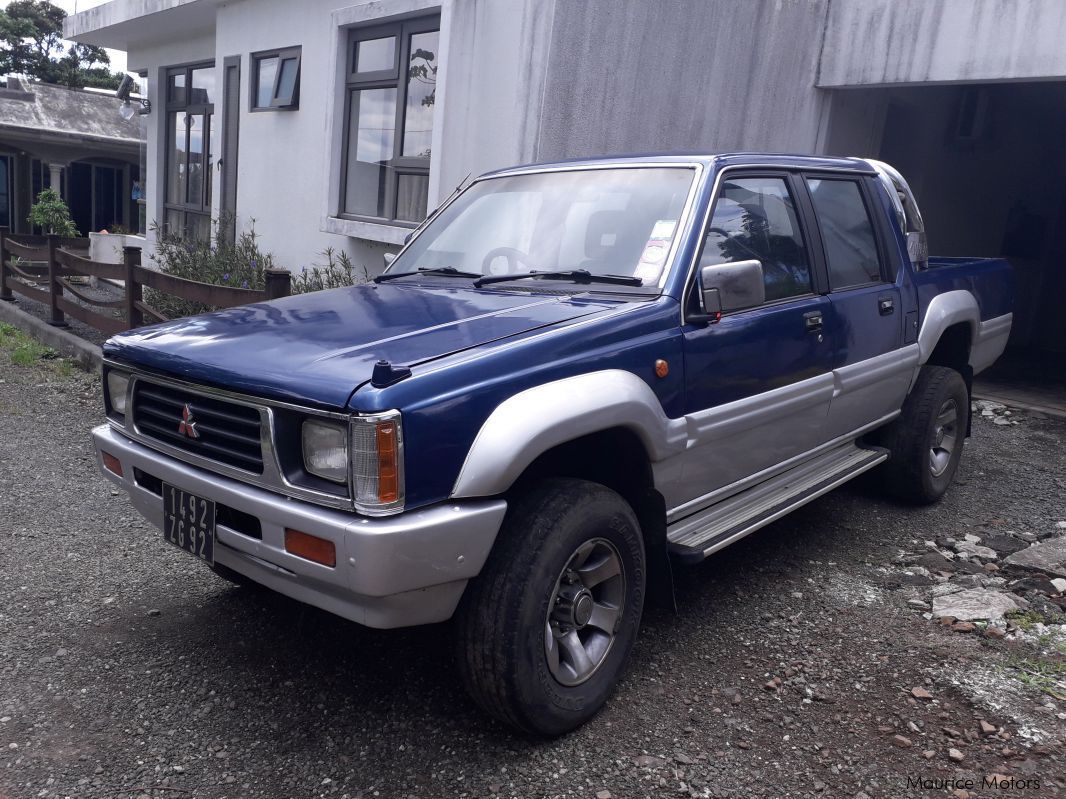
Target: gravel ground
128, 670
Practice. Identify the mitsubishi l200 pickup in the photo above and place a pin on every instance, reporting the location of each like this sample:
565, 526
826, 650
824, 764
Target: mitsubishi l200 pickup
571, 379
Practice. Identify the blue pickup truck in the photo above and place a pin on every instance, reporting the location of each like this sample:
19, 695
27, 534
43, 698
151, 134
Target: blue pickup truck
572, 378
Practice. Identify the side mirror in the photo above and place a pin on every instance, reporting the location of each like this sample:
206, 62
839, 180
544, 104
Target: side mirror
389, 258
408, 237
732, 287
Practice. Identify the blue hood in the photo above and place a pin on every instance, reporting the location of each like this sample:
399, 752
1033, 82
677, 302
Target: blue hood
318, 348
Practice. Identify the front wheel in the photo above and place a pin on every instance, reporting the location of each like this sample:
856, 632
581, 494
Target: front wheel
926, 440
545, 631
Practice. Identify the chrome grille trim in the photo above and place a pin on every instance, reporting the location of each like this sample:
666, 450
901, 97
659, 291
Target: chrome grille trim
228, 432
272, 477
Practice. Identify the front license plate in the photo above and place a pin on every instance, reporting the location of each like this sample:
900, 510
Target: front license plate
189, 522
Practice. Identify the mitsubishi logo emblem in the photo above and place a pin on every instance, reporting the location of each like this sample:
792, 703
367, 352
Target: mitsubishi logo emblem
187, 426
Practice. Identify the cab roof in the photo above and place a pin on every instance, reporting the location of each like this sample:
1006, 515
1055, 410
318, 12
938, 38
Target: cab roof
778, 160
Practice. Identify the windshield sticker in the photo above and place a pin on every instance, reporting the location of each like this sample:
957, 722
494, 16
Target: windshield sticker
664, 229
652, 259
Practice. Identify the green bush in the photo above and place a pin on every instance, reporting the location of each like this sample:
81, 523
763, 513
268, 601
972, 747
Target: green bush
240, 264
51, 214
338, 271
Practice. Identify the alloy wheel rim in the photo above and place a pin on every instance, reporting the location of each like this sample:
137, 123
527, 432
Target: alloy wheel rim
584, 612
945, 437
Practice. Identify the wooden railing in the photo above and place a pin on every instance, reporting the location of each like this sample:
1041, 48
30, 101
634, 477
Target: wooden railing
40, 268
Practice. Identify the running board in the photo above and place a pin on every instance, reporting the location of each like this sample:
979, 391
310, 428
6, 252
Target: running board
699, 535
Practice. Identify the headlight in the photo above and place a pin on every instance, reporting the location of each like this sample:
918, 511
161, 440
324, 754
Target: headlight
117, 382
377, 463
325, 446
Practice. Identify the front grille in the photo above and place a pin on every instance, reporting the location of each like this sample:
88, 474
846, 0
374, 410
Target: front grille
227, 432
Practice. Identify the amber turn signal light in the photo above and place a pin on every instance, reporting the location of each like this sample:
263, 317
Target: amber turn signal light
111, 463
388, 463
310, 547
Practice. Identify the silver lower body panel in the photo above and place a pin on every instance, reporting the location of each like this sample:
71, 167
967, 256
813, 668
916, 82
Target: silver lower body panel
396, 571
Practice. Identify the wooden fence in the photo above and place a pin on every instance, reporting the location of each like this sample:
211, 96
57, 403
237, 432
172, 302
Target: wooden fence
40, 268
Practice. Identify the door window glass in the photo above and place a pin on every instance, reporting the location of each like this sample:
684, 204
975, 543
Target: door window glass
5, 194
755, 218
847, 232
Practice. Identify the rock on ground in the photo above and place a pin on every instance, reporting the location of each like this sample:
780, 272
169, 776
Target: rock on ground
1048, 556
976, 603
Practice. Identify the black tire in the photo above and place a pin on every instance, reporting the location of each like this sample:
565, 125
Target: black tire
504, 625
914, 473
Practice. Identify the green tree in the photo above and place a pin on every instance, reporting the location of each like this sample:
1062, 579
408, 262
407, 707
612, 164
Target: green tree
31, 43
51, 214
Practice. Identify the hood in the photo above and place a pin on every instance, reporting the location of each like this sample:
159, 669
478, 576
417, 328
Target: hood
318, 348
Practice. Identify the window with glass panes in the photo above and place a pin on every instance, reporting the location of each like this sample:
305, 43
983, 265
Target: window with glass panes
190, 95
391, 87
6, 210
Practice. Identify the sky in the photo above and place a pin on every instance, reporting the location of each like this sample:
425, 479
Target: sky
118, 58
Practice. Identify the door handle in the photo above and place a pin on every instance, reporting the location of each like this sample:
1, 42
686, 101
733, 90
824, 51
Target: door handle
885, 305
812, 321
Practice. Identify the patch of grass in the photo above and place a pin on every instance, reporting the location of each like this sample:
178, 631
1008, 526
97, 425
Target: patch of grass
26, 351
1025, 619
1046, 676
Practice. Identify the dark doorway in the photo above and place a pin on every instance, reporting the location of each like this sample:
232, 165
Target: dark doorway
987, 165
95, 196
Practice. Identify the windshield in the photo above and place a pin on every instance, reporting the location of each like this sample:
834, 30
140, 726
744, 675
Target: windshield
604, 221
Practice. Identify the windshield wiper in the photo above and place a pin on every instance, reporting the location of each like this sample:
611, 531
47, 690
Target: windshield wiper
446, 271
577, 275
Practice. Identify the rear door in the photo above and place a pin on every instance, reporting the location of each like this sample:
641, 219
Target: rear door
758, 381
865, 319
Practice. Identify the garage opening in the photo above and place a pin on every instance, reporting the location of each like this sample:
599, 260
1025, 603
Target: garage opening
987, 164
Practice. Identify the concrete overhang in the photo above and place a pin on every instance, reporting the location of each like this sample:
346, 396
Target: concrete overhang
918, 42
61, 146
133, 24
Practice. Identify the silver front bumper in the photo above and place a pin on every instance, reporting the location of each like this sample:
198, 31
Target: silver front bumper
395, 571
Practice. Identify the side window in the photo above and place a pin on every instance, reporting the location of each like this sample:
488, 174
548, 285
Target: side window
847, 232
756, 218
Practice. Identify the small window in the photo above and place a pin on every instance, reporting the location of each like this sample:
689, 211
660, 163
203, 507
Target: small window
276, 84
755, 218
847, 232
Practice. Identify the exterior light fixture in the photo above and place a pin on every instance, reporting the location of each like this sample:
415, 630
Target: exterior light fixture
125, 88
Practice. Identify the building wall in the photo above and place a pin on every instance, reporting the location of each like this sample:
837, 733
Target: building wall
520, 81
871, 42
492, 57
630, 75
494, 87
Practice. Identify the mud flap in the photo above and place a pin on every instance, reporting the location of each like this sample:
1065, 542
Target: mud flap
651, 512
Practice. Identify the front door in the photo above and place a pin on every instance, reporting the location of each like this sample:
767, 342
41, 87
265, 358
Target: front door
759, 381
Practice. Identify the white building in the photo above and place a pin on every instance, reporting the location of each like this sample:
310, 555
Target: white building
338, 125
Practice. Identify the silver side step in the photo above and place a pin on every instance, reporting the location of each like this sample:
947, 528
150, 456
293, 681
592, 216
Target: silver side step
703, 533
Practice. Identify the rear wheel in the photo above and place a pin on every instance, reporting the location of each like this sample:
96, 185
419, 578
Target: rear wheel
926, 440
545, 631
